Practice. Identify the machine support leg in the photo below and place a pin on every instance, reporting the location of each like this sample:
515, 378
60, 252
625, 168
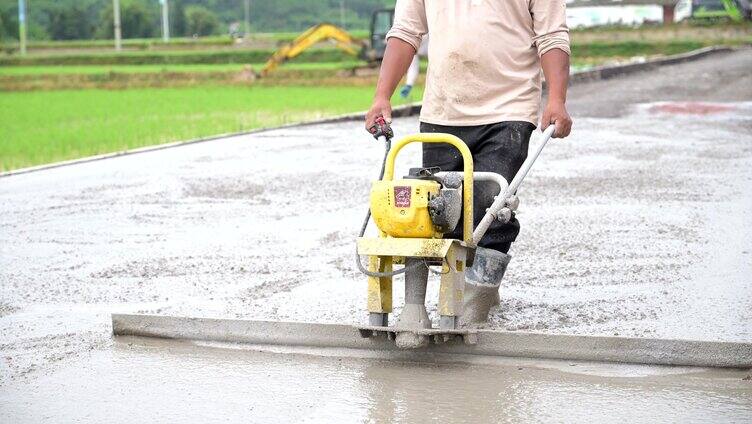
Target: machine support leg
377, 319
447, 322
416, 281
452, 288
414, 314
379, 291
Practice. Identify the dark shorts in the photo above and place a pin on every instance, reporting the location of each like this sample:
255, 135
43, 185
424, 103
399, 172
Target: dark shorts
500, 148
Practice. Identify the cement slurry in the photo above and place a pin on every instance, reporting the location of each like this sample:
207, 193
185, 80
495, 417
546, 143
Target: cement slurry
637, 225
147, 380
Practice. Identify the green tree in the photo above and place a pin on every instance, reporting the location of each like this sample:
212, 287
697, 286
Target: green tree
69, 22
66, 19
200, 21
61, 19
3, 30
8, 22
177, 18
138, 19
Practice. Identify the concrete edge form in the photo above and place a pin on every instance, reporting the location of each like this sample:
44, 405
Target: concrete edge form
597, 73
490, 343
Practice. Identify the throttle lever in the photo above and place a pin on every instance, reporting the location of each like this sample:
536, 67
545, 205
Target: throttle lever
381, 128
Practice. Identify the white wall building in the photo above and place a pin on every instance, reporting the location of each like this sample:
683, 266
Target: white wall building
625, 15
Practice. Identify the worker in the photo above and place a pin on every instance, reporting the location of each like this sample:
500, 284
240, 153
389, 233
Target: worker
483, 85
413, 72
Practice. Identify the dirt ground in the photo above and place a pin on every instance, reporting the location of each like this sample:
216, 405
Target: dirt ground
636, 225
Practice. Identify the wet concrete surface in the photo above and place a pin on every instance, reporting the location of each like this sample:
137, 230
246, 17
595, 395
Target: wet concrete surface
637, 225
138, 381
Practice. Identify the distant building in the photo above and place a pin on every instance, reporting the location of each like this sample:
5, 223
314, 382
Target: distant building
582, 17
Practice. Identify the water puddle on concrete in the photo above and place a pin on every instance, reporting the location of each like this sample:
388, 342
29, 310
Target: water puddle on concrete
142, 380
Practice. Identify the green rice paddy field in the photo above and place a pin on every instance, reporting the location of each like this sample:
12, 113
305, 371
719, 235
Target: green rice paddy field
39, 127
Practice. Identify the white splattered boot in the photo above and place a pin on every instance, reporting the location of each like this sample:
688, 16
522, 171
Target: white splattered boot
482, 282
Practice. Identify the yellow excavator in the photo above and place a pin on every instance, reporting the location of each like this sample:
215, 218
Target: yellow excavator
371, 50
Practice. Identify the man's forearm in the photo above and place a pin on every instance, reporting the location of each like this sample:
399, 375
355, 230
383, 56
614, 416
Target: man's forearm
555, 64
397, 58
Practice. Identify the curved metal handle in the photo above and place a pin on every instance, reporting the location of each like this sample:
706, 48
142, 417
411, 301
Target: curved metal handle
467, 159
497, 205
506, 192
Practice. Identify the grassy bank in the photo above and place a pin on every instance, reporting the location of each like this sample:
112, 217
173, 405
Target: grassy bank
696, 31
330, 74
176, 43
169, 57
55, 72
47, 126
626, 48
707, 32
128, 69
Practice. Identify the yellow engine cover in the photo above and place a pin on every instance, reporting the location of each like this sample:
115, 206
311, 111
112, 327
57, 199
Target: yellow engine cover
400, 207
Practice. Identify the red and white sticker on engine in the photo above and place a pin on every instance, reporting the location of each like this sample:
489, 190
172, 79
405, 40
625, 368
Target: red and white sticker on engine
402, 196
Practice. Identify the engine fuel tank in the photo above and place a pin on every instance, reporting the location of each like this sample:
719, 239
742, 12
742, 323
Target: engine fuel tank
400, 207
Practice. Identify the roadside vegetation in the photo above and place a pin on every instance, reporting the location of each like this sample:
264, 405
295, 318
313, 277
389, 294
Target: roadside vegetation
69, 99
139, 69
92, 19
46, 126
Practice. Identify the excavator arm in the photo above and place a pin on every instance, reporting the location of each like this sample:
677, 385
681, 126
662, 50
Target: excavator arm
309, 38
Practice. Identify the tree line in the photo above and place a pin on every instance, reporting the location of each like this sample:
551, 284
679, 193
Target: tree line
92, 19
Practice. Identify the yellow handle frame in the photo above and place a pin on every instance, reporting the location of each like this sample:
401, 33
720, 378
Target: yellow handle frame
467, 159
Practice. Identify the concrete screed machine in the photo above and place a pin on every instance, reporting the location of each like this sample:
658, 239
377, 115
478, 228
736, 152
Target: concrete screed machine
412, 215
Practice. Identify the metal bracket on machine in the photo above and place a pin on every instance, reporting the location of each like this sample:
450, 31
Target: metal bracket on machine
434, 335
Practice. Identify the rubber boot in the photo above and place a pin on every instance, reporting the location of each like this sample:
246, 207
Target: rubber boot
482, 282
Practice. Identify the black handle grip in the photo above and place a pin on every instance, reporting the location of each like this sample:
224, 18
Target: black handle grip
381, 128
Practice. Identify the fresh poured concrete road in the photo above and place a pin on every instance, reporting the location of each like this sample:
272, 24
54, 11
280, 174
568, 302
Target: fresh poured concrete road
143, 380
638, 225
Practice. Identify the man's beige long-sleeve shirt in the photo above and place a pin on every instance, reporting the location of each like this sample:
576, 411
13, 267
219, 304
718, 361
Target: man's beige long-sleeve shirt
483, 57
